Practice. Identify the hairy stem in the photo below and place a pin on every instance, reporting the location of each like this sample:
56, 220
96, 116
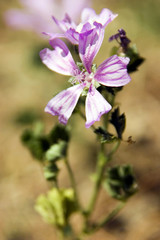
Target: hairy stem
109, 217
73, 182
99, 176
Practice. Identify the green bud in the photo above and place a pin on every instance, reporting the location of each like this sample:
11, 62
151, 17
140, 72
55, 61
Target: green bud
120, 182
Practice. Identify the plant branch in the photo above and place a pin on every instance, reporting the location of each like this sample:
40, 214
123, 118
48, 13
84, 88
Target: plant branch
110, 216
73, 182
99, 176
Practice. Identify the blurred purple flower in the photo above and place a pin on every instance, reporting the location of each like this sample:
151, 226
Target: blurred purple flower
121, 39
89, 20
36, 14
85, 79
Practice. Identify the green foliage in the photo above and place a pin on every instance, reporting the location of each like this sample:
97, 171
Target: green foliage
105, 137
132, 52
118, 121
113, 90
59, 132
56, 151
51, 147
26, 117
120, 182
47, 148
36, 143
57, 206
135, 59
51, 172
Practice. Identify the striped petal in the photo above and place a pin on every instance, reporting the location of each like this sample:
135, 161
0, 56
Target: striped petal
96, 106
105, 17
89, 45
74, 8
72, 35
113, 72
60, 59
63, 104
64, 24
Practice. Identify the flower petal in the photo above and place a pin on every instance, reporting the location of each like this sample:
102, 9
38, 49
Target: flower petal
87, 14
64, 103
64, 24
96, 106
42, 7
105, 17
19, 19
72, 35
74, 8
113, 72
89, 45
60, 59
54, 35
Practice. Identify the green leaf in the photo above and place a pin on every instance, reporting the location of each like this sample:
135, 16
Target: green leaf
45, 209
120, 182
57, 206
118, 121
105, 137
113, 90
51, 172
59, 132
36, 143
135, 59
26, 117
52, 146
56, 151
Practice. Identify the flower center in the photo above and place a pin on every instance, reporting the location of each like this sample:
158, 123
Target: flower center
84, 78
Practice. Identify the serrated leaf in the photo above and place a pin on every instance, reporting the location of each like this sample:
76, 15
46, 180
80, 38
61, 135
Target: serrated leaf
118, 121
135, 59
105, 137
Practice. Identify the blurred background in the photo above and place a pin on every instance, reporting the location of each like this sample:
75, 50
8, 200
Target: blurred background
26, 86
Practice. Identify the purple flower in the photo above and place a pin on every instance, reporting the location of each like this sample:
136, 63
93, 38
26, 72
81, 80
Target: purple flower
85, 79
121, 39
89, 20
36, 14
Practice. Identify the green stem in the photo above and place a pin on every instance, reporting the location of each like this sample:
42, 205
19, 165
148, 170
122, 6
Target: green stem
114, 149
102, 161
111, 215
73, 182
99, 176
